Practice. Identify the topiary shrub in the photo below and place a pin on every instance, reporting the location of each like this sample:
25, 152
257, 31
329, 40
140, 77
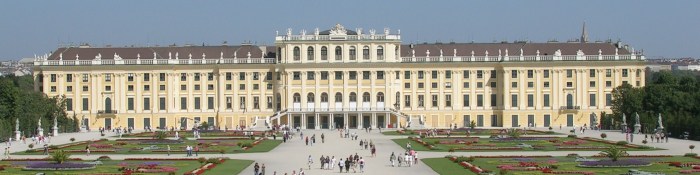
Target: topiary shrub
31, 145
622, 143
72, 139
213, 160
603, 135
201, 160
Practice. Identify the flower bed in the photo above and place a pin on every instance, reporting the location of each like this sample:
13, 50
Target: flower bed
38, 159
204, 168
59, 167
522, 139
160, 159
616, 164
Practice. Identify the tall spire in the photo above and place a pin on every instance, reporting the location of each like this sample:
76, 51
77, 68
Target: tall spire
584, 34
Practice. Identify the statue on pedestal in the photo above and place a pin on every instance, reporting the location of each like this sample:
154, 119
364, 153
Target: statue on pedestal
40, 131
637, 126
17, 133
55, 126
624, 123
661, 125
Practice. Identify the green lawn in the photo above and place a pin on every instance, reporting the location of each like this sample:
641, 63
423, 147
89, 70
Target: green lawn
133, 147
444, 166
232, 166
486, 144
112, 166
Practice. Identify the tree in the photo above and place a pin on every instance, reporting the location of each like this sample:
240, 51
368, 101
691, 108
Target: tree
160, 135
472, 124
614, 153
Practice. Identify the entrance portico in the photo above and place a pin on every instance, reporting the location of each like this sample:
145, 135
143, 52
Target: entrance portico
338, 119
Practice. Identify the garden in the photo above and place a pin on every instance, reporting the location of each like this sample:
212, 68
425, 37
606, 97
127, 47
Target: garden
462, 132
202, 133
160, 146
611, 161
61, 163
534, 143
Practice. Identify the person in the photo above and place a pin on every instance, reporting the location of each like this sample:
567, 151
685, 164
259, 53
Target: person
332, 163
362, 165
46, 149
311, 161
374, 151
256, 168
347, 165
7, 153
301, 171
400, 160
392, 158
322, 161
87, 150
322, 138
196, 150
307, 140
361, 142
168, 150
340, 164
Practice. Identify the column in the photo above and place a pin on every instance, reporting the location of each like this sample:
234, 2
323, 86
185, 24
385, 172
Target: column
387, 119
373, 120
317, 123
290, 124
359, 121
331, 123
345, 120
303, 121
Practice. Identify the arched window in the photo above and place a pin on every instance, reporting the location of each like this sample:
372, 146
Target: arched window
108, 105
365, 97
353, 53
338, 97
310, 53
353, 97
297, 54
569, 101
365, 52
324, 53
380, 97
324, 97
297, 98
338, 53
310, 98
380, 53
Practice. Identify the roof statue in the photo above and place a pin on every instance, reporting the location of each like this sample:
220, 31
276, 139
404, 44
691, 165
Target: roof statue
372, 31
579, 52
190, 56
235, 54
177, 55
538, 52
472, 53
454, 52
117, 57
338, 30
427, 53
316, 32
386, 31
616, 50
222, 55
248, 54
138, 56
170, 55
60, 56
487, 52
557, 53
440, 52
595, 118
413, 53
521, 51
506, 52
289, 31
154, 55
204, 55
98, 56
77, 56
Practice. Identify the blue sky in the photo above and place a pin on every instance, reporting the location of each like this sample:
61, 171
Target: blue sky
660, 28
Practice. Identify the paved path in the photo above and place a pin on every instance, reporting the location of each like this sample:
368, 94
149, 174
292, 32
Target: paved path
293, 154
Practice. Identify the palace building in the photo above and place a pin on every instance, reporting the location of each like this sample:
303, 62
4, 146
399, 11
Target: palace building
341, 78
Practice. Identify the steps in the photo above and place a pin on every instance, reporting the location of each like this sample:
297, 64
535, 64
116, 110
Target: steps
260, 125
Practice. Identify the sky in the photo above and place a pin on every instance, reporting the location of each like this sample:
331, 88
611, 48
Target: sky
659, 28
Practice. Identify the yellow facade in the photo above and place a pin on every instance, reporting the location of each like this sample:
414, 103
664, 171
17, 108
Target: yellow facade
377, 84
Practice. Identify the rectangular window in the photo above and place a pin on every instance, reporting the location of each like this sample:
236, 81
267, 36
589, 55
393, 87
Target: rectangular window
196, 76
608, 72
162, 87
420, 100
324, 75
434, 100
241, 87
545, 73
465, 74
407, 101
256, 102
338, 75
241, 76
493, 73
310, 75
530, 84
146, 87
407, 85
530, 73
146, 103
479, 74
591, 100
380, 75
448, 74
407, 75
269, 102
514, 84
269, 86
69, 88
465, 85
183, 103
433, 85
229, 87
514, 100
210, 76
268, 76
479, 120
242, 102
448, 100
591, 84
569, 73
434, 74
514, 74
545, 100
85, 88
108, 77
197, 103
161, 104
608, 99
530, 100
86, 104
591, 73
107, 88
130, 104
161, 76
229, 76
146, 77
480, 100
210, 87
397, 74
69, 104
465, 100
625, 72
229, 103
183, 87
569, 84
420, 74
130, 88
256, 86
546, 84
494, 100
365, 75
479, 84
420, 85
493, 84
86, 77
608, 83
210, 102
197, 87
256, 75
353, 75
69, 78
130, 77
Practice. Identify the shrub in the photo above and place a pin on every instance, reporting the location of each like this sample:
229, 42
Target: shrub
503, 172
550, 128
645, 141
202, 160
29, 151
614, 153
644, 147
571, 136
31, 145
103, 139
603, 135
464, 159
622, 143
60, 156
690, 154
72, 139
572, 155
160, 135
554, 166
514, 133
213, 160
